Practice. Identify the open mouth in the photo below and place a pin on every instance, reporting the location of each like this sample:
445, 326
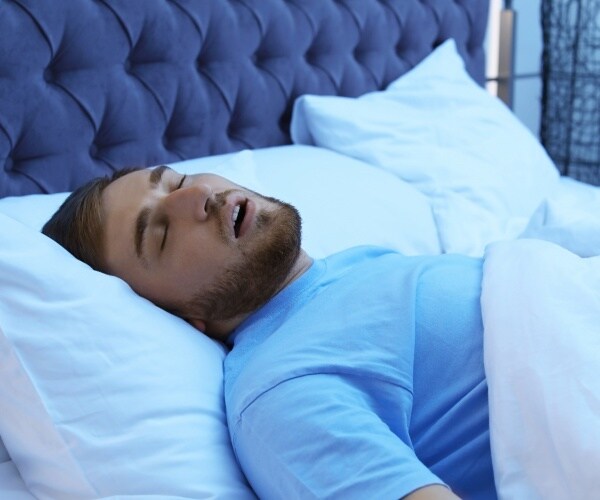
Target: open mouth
239, 212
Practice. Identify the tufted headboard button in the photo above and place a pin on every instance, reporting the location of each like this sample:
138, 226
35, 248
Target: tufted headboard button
9, 164
308, 58
48, 75
230, 130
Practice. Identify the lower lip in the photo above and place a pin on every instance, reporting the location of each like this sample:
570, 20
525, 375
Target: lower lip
248, 218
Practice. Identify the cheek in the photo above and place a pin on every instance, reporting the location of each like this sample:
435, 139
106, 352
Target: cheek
200, 263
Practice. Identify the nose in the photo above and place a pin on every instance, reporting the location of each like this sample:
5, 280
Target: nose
190, 201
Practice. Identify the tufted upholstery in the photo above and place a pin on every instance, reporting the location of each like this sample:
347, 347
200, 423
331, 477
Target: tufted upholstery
87, 86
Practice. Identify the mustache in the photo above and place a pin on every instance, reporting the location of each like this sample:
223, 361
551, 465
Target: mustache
217, 202
214, 210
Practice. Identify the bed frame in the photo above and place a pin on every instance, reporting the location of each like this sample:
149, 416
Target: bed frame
90, 86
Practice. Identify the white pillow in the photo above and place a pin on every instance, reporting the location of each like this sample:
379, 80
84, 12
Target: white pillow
101, 392
482, 170
32, 210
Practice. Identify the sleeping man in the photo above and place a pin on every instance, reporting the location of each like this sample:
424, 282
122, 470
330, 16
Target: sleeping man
357, 376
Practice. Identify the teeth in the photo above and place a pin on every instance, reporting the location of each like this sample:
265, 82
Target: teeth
236, 212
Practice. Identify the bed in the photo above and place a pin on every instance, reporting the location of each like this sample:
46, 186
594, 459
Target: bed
327, 104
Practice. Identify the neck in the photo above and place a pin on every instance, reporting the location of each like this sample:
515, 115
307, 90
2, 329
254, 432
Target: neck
221, 329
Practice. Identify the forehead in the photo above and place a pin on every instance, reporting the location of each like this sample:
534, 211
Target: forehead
132, 180
122, 200
125, 194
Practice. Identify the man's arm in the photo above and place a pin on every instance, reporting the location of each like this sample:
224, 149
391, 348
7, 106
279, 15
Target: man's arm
320, 436
433, 492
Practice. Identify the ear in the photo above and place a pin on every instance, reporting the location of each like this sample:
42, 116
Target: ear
198, 324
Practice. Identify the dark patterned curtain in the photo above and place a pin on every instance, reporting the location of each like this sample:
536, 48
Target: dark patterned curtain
570, 128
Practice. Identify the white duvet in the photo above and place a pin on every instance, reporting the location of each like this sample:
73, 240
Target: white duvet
541, 311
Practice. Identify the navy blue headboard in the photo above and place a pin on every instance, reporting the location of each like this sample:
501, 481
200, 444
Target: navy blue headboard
89, 86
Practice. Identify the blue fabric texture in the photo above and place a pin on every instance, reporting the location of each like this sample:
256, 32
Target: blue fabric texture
364, 379
87, 87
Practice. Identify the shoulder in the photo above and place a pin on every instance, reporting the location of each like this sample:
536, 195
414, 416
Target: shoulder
327, 422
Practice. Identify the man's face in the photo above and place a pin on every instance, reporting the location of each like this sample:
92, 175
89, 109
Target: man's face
199, 245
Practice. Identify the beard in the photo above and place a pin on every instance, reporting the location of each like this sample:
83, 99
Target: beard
264, 266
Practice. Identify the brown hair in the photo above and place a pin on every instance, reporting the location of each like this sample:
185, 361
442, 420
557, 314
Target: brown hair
77, 225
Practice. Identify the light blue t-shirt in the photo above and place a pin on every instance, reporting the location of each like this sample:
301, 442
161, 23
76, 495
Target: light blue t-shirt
364, 379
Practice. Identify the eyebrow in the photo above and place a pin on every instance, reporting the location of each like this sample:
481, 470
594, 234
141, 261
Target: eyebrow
141, 221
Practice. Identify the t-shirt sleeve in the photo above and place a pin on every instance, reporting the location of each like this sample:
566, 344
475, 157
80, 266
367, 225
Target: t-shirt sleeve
319, 436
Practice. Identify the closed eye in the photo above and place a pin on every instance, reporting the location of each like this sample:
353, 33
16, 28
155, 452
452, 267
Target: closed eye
183, 178
166, 231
